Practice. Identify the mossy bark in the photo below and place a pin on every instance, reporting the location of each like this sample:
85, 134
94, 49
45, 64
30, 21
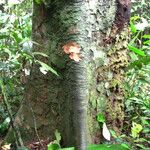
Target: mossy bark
70, 102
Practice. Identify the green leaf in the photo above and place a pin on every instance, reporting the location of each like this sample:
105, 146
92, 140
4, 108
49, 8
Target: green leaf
6, 50
136, 50
147, 42
142, 147
133, 28
58, 136
46, 68
3, 36
53, 146
100, 118
125, 145
4, 126
107, 147
39, 53
103, 147
133, 56
113, 133
136, 129
16, 37
143, 80
139, 63
146, 36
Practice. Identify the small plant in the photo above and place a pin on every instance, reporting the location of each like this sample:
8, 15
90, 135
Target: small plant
136, 130
101, 119
55, 145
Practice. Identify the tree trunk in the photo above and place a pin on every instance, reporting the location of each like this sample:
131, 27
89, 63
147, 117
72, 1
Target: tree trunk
70, 102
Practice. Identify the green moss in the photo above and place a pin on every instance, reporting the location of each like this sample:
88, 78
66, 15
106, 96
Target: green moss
93, 126
101, 104
90, 74
67, 17
58, 61
93, 98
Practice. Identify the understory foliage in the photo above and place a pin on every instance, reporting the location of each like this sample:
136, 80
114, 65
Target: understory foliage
16, 57
15, 45
137, 123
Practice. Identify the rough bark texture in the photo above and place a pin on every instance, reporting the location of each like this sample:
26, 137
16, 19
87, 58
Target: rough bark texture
70, 102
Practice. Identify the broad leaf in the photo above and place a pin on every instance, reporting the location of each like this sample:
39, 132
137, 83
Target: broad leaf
46, 68
133, 28
103, 147
58, 136
147, 42
136, 50
53, 146
146, 36
100, 118
139, 63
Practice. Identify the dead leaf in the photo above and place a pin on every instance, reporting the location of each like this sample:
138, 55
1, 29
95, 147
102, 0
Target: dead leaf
106, 133
6, 147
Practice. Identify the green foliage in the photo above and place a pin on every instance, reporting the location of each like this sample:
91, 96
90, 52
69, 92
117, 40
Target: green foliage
136, 50
55, 145
100, 147
58, 136
16, 56
45, 68
15, 30
100, 118
4, 125
38, 1
136, 129
139, 43
107, 147
137, 124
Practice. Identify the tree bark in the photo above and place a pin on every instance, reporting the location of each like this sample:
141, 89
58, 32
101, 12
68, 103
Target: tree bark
70, 102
